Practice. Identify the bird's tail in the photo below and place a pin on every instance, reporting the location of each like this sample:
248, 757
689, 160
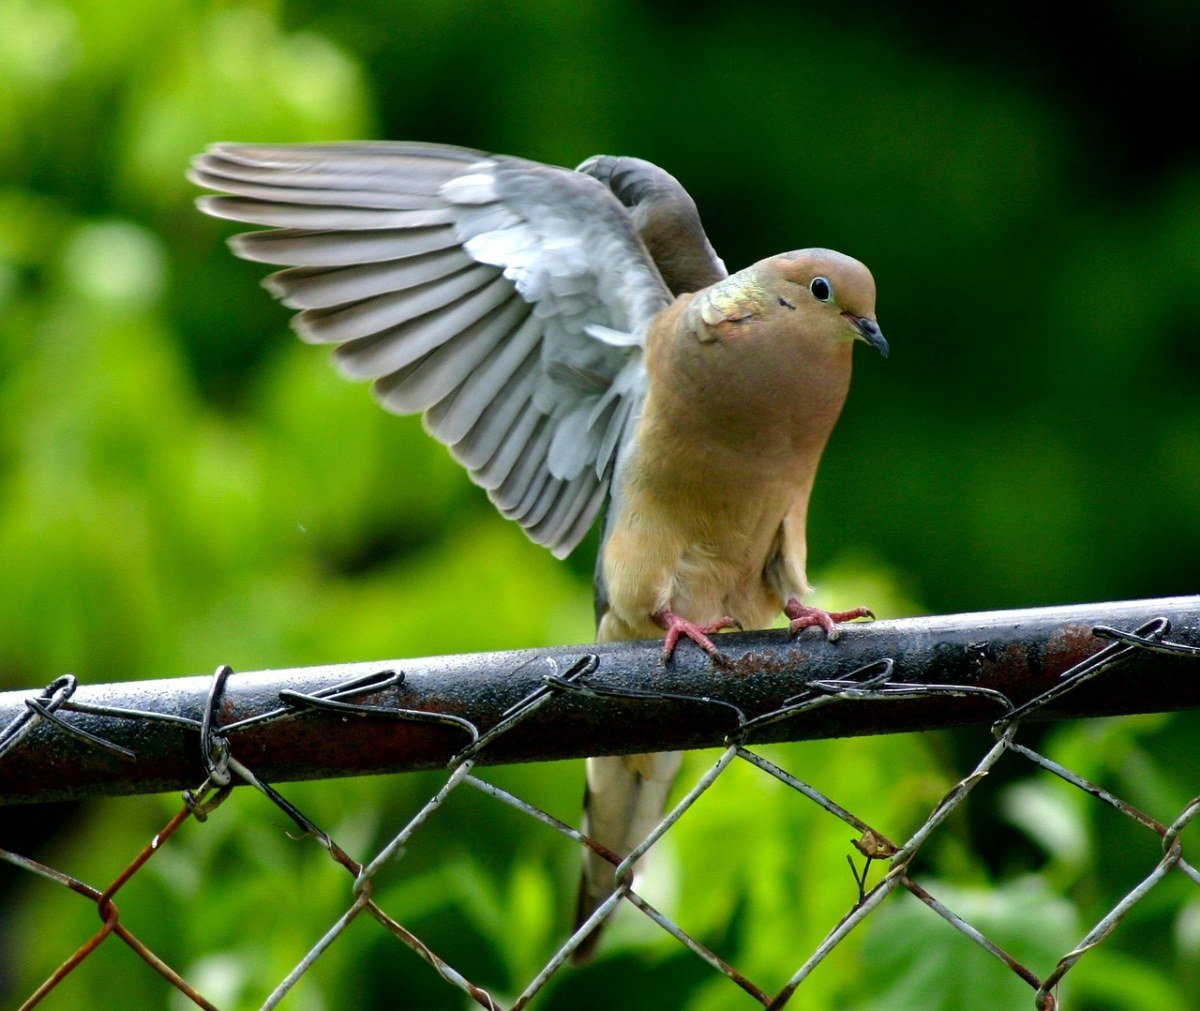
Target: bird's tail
625, 798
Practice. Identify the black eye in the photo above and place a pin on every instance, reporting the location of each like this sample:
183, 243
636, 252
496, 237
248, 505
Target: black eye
821, 289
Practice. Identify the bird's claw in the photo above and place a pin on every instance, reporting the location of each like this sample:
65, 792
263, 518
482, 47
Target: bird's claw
675, 627
804, 617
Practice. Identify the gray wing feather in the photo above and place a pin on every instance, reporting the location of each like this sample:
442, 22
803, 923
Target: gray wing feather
327, 199
260, 212
493, 474
322, 287
665, 216
393, 351
439, 373
567, 502
352, 320
526, 475
475, 449
453, 418
506, 300
297, 247
355, 170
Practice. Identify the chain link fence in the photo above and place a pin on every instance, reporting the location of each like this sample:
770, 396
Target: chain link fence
1006, 669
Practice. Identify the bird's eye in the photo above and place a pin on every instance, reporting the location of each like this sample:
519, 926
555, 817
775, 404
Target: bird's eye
821, 289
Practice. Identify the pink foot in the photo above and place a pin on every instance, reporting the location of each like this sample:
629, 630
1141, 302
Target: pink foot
803, 617
676, 626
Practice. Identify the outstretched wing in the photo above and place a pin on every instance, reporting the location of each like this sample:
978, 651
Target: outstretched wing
505, 300
665, 216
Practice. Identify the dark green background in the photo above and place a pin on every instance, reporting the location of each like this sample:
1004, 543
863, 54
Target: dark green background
183, 484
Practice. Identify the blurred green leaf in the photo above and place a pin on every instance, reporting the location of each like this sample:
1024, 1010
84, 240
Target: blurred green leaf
915, 959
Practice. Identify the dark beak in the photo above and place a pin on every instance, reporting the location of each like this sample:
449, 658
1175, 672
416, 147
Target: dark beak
869, 330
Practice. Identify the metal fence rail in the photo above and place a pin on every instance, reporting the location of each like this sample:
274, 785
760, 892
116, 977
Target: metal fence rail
1000, 668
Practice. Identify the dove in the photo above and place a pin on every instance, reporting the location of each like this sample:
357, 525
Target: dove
572, 337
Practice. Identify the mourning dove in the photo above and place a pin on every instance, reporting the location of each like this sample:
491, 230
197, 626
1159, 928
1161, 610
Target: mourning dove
572, 338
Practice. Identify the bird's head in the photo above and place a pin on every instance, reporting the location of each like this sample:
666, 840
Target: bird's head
832, 294
767, 350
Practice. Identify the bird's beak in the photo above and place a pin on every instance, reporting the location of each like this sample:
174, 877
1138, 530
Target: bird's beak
869, 330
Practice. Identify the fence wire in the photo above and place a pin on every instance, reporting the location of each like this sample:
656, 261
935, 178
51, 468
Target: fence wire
874, 682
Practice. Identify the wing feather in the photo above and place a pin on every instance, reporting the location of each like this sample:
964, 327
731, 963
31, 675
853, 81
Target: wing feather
324, 287
505, 300
298, 247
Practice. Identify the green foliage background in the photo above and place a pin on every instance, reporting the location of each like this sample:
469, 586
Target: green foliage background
183, 484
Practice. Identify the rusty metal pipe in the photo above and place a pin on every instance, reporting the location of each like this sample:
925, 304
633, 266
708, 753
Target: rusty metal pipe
1019, 654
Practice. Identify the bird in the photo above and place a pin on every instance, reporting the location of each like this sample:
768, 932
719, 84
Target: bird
572, 336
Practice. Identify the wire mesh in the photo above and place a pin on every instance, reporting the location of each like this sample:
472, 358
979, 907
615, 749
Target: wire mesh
48, 713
